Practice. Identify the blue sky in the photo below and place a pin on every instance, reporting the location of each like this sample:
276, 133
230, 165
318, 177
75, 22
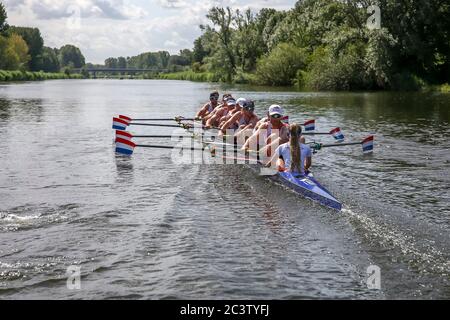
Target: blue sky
111, 28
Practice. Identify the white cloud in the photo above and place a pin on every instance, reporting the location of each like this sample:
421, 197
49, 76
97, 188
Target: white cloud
56, 9
111, 28
172, 4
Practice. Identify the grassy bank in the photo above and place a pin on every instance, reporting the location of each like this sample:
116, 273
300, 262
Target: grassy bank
189, 76
414, 84
6, 76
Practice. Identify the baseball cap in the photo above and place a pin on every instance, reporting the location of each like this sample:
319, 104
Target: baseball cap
276, 109
242, 102
250, 105
231, 102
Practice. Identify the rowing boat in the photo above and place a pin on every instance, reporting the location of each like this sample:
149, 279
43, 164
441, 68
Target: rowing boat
304, 185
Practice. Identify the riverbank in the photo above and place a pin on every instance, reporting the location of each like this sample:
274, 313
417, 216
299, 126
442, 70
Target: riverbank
188, 76
7, 76
250, 79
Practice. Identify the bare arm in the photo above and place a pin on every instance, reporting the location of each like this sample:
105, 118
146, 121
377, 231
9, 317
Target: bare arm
202, 111
229, 122
308, 163
273, 160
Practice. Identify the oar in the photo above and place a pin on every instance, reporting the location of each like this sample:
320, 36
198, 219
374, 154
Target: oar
184, 126
169, 147
177, 119
367, 144
122, 122
126, 135
316, 133
126, 147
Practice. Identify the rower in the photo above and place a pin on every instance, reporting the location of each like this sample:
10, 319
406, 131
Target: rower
293, 156
223, 102
210, 106
220, 113
273, 131
242, 120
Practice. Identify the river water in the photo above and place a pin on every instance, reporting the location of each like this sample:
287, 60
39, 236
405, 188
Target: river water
147, 228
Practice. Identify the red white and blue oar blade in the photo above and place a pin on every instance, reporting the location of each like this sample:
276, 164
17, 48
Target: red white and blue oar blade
120, 124
127, 119
310, 125
367, 144
123, 135
285, 119
337, 134
124, 147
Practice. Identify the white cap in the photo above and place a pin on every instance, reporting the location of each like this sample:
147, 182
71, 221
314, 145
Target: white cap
241, 101
276, 109
231, 102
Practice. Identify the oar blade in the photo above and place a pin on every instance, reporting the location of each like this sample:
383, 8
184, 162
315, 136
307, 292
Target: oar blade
337, 134
125, 118
123, 135
124, 147
368, 144
119, 124
310, 125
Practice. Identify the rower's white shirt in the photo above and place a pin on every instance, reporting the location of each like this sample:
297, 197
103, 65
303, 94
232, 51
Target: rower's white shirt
284, 151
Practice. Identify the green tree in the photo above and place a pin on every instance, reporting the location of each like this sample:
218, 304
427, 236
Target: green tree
35, 43
222, 20
71, 56
3, 17
49, 60
199, 51
163, 59
422, 30
187, 55
13, 53
6, 56
247, 41
176, 60
121, 63
19, 49
281, 66
111, 63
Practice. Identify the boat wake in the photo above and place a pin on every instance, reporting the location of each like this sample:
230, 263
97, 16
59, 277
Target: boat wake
424, 258
34, 216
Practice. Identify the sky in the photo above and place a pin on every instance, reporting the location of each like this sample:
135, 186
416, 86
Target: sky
113, 28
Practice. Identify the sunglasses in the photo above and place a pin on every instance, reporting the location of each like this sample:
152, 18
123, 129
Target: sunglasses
215, 98
276, 116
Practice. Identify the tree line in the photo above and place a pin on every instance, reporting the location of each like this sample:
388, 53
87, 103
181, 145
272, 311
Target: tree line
160, 61
318, 45
326, 45
23, 49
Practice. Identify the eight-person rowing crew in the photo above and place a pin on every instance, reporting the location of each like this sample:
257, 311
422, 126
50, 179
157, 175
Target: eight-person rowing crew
271, 132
